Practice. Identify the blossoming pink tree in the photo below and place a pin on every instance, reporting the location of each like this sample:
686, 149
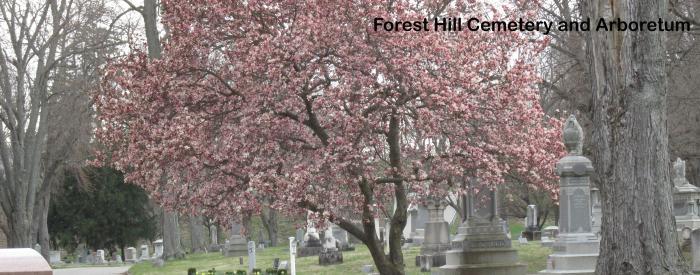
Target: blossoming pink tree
302, 104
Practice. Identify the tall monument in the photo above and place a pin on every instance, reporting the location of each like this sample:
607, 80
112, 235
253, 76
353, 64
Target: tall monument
576, 248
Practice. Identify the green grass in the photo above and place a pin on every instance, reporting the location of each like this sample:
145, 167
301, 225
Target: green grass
533, 254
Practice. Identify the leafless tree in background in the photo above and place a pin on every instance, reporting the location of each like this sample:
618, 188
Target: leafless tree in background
42, 44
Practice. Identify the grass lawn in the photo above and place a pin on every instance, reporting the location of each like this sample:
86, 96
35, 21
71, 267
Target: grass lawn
533, 254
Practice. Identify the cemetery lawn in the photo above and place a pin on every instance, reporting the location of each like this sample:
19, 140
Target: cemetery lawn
533, 254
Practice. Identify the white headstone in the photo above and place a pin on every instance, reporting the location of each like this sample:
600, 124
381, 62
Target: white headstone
328, 239
158, 248
130, 254
292, 256
522, 240
55, 257
144, 252
100, 256
251, 256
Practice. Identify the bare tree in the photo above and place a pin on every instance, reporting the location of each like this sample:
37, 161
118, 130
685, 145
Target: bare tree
38, 40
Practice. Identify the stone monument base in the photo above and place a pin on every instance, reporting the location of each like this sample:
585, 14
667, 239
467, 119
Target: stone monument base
309, 251
437, 260
330, 257
487, 261
482, 248
532, 235
235, 248
573, 254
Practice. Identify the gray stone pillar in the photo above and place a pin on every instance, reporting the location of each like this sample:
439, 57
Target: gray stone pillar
532, 231
437, 234
695, 249
576, 248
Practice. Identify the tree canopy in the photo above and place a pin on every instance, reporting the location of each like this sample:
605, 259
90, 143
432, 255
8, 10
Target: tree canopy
304, 102
101, 211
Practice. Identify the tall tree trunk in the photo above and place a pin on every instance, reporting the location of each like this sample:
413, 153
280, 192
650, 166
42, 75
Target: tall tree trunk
632, 159
269, 221
246, 222
197, 233
43, 234
172, 248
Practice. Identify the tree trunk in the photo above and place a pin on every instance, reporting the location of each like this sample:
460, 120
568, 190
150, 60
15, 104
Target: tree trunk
632, 159
121, 248
172, 249
20, 234
197, 233
368, 236
246, 222
269, 221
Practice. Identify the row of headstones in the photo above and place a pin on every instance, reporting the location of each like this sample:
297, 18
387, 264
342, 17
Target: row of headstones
144, 255
88, 257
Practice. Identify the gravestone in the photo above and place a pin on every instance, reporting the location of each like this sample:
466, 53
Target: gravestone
144, 253
284, 265
437, 234
292, 256
251, 257
21, 261
576, 247
596, 211
55, 257
481, 245
235, 245
117, 258
312, 242
532, 231
100, 257
214, 235
329, 241
418, 216
342, 237
685, 199
522, 240
158, 248
546, 242
551, 231
81, 253
300, 236
426, 263
695, 249
130, 255
330, 254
